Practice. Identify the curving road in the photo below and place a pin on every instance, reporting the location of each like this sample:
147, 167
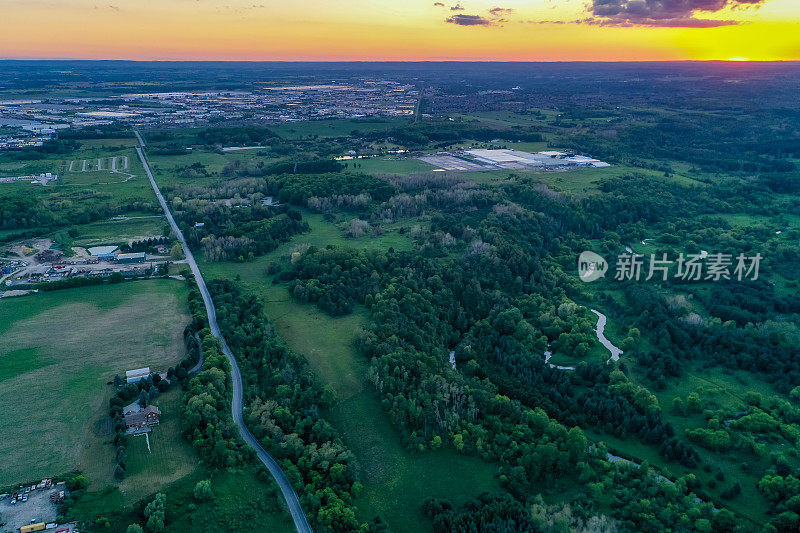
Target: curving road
292, 501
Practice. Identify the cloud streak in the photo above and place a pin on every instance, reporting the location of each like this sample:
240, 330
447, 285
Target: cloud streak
662, 13
500, 11
495, 16
469, 20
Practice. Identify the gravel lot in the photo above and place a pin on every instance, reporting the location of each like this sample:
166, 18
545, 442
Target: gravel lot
38, 508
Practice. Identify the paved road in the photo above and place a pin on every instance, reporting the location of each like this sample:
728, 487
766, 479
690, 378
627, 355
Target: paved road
141, 141
199, 365
293, 502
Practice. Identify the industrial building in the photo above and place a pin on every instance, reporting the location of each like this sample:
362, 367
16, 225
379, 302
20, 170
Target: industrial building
519, 159
483, 160
136, 257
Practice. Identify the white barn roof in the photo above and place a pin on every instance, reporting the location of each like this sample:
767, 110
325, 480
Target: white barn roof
138, 373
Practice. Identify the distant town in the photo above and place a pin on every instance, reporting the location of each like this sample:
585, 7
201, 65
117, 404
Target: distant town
31, 122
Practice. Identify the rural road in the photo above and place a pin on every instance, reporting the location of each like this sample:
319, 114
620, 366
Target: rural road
141, 141
289, 494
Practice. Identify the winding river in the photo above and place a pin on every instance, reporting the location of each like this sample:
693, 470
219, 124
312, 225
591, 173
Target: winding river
601, 336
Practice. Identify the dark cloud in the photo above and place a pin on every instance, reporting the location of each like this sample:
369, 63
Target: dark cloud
500, 11
667, 13
469, 20
457, 7
438, 4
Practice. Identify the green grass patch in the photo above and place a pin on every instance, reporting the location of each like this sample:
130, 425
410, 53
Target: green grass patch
58, 352
385, 165
119, 231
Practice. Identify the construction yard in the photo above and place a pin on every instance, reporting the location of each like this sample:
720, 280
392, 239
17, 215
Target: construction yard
38, 260
60, 350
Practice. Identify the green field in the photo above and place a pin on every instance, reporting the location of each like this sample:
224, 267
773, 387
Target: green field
261, 510
384, 165
81, 200
60, 349
242, 502
120, 231
126, 185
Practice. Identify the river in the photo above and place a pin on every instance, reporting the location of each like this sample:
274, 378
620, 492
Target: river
601, 336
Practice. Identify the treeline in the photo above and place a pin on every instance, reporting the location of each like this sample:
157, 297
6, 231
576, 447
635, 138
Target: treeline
170, 148
710, 143
298, 189
767, 351
317, 166
145, 245
444, 133
57, 146
502, 513
206, 413
116, 130
284, 405
236, 232
235, 136
255, 181
64, 209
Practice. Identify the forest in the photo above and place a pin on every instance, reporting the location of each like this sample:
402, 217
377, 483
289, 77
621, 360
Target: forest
459, 327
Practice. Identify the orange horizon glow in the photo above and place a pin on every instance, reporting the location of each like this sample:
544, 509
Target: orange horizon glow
380, 30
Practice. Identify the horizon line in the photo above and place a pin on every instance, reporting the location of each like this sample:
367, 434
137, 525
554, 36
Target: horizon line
521, 61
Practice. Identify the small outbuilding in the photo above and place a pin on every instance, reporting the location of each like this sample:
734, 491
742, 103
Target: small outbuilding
132, 376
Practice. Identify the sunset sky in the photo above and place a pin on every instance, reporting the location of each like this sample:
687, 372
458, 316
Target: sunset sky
530, 30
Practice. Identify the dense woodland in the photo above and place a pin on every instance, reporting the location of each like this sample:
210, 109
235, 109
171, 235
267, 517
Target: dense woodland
491, 278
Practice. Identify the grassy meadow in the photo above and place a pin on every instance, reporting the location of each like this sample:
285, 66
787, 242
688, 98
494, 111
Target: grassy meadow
60, 349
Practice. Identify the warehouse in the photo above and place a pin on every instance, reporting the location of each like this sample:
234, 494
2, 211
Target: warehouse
504, 159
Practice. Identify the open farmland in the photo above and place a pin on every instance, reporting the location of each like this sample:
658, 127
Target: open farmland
59, 351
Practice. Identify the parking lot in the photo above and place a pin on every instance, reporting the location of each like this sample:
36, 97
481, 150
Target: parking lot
37, 508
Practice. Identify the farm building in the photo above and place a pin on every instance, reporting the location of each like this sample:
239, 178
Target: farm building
132, 376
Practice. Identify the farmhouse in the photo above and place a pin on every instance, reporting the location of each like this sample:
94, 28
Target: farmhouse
136, 421
132, 376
